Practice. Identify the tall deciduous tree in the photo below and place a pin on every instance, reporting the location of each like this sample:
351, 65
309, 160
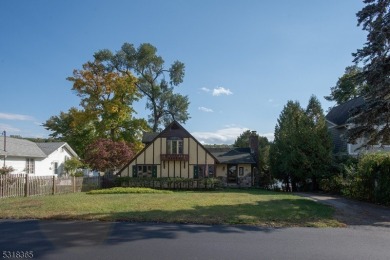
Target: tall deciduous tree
73, 127
106, 101
165, 105
106, 97
349, 86
372, 121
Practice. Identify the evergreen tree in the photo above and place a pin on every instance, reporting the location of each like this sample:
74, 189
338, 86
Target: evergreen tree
301, 150
318, 143
287, 158
372, 120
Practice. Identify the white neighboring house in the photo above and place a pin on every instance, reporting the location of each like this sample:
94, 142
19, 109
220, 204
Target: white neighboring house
337, 121
40, 159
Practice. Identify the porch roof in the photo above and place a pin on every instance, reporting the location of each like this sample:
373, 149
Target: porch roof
233, 155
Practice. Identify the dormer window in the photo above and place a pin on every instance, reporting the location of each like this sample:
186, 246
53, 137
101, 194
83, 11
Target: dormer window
174, 145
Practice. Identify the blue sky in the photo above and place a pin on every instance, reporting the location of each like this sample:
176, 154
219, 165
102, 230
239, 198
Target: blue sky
244, 59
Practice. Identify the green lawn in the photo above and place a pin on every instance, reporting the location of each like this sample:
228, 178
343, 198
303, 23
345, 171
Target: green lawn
252, 207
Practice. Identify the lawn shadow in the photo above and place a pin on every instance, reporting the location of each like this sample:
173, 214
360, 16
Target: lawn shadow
64, 232
24, 236
44, 237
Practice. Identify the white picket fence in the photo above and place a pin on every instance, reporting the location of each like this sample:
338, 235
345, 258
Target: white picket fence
24, 185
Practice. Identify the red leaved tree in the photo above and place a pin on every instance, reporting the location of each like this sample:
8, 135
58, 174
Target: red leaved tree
107, 155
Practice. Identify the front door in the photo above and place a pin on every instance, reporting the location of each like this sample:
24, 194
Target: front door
232, 173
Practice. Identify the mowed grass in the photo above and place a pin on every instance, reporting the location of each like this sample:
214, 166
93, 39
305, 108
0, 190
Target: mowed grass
250, 207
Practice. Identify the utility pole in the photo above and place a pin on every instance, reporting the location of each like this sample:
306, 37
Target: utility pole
5, 140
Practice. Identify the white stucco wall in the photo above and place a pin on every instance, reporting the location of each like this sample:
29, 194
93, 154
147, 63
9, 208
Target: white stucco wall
43, 166
18, 163
46, 166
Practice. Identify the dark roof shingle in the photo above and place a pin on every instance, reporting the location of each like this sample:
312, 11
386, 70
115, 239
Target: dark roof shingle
50, 147
148, 137
341, 113
232, 155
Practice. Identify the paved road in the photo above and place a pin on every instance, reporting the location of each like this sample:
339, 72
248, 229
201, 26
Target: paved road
104, 240
352, 212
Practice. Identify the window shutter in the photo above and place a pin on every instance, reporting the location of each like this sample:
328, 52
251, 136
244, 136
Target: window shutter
134, 171
154, 171
196, 171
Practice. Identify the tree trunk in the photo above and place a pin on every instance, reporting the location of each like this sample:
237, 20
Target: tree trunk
314, 184
294, 185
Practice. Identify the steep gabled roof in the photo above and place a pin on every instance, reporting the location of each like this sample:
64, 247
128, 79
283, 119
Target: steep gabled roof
49, 148
173, 129
21, 148
341, 113
24, 148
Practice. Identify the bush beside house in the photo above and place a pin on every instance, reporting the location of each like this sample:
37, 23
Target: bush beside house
367, 178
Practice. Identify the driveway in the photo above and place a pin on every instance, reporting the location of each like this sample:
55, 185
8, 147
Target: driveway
352, 212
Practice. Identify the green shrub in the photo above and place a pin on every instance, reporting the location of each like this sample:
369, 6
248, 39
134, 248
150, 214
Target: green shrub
77, 174
333, 184
370, 181
71, 165
126, 190
169, 183
6, 169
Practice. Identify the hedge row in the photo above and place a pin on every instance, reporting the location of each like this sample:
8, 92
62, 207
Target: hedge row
169, 183
127, 190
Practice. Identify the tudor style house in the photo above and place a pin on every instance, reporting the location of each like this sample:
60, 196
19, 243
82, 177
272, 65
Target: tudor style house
176, 153
35, 158
337, 121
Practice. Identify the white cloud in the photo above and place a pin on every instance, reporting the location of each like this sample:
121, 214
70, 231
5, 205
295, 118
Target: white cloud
205, 89
221, 91
8, 128
270, 136
222, 136
205, 109
15, 117
227, 135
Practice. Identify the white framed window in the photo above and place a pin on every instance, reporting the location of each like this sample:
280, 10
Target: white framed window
204, 171
145, 171
55, 168
175, 146
30, 165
